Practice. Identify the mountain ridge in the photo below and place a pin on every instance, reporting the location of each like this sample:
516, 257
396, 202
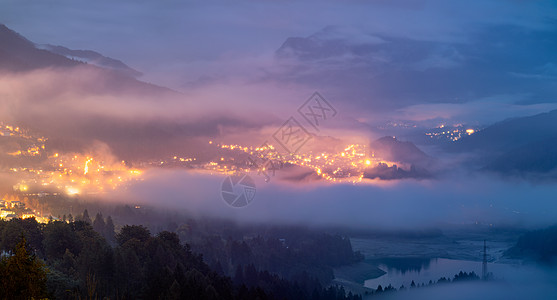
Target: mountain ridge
18, 54
92, 57
509, 134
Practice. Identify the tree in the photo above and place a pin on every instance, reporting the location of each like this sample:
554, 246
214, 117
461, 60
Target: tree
239, 275
22, 275
250, 275
99, 224
59, 237
174, 292
11, 231
10, 236
109, 230
138, 232
86, 217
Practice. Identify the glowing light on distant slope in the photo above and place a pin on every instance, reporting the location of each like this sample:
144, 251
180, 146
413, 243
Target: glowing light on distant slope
72, 191
76, 174
86, 168
347, 165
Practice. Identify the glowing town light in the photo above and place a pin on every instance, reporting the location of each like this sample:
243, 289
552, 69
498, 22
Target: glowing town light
72, 191
86, 168
368, 162
470, 131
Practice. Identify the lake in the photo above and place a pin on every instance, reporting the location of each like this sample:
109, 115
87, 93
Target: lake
401, 271
398, 261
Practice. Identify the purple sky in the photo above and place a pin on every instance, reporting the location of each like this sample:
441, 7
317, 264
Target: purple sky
455, 57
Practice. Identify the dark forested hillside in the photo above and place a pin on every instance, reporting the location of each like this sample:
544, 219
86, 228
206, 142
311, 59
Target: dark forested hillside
540, 245
80, 263
314, 257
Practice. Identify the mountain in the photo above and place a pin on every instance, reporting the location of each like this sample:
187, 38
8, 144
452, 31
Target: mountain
389, 148
510, 134
540, 245
92, 57
519, 146
74, 103
379, 71
534, 158
18, 54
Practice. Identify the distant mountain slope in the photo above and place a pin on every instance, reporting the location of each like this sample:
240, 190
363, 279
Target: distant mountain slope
389, 148
382, 71
92, 57
535, 157
520, 146
510, 134
539, 245
75, 103
17, 54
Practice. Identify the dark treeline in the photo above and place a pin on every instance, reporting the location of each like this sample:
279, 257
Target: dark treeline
460, 277
313, 256
81, 261
540, 245
292, 252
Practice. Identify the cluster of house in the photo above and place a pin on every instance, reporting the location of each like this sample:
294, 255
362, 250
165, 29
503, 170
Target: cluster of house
14, 209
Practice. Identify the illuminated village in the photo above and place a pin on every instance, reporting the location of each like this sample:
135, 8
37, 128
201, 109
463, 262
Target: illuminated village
347, 165
451, 133
41, 175
75, 174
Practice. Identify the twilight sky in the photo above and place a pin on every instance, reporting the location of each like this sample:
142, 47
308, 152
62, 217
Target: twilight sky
472, 61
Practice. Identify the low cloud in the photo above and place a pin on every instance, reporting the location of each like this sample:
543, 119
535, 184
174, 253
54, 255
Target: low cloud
483, 111
403, 204
525, 282
74, 107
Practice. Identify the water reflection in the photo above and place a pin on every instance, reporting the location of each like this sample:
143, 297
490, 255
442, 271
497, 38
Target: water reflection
404, 264
402, 271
